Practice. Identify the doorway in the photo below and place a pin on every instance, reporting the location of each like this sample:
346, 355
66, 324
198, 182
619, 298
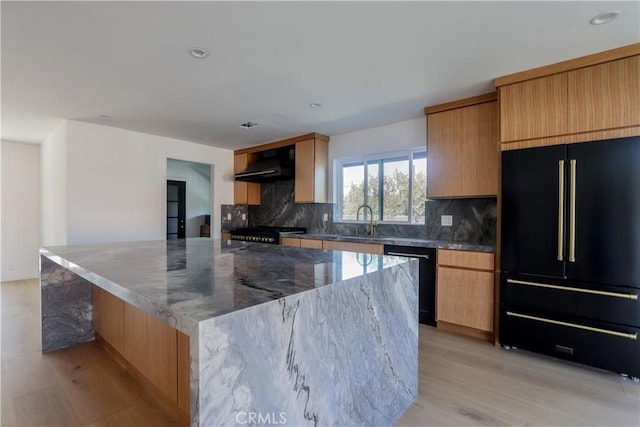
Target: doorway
176, 209
197, 197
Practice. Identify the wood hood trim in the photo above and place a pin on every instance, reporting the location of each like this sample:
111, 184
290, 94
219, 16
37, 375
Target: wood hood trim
282, 143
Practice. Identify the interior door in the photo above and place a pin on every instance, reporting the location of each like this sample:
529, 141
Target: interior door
532, 209
607, 212
176, 209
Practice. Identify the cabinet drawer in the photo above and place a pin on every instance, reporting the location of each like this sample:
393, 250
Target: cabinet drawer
615, 304
599, 344
465, 297
290, 241
466, 259
312, 244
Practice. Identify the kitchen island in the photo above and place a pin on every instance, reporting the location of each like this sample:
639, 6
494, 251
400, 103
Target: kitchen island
276, 335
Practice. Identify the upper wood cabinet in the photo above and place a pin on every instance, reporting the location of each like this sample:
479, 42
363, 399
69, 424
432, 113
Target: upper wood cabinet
462, 148
245, 193
311, 171
534, 109
311, 151
585, 99
605, 96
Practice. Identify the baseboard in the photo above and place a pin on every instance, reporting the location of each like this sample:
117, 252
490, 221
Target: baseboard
464, 330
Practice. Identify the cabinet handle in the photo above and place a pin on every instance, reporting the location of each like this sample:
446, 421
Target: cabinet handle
560, 210
572, 212
575, 325
569, 288
411, 255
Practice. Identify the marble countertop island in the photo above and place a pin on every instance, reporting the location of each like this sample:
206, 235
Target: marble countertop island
314, 337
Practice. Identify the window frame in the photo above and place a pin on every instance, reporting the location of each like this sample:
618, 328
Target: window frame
380, 159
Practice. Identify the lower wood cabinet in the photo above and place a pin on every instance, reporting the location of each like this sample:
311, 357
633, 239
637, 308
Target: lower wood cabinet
311, 244
465, 292
162, 357
371, 248
135, 337
290, 241
149, 347
184, 367
333, 245
108, 318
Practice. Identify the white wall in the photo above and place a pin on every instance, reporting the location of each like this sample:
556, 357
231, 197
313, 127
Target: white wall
198, 192
53, 187
396, 136
116, 182
20, 211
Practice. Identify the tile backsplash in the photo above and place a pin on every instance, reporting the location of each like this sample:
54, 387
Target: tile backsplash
236, 220
279, 209
473, 220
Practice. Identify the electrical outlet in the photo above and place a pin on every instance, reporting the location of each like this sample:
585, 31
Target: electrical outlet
228, 217
446, 220
325, 217
244, 217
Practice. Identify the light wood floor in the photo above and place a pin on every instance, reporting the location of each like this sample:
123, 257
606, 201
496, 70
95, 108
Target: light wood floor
462, 382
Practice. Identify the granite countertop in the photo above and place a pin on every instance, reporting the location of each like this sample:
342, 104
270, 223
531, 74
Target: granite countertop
401, 241
200, 278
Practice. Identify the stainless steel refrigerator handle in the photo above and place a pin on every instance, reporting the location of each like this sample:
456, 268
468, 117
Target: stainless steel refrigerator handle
631, 336
560, 210
572, 211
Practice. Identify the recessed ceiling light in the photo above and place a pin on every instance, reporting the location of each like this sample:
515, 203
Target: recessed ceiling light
315, 105
198, 52
105, 117
248, 125
605, 17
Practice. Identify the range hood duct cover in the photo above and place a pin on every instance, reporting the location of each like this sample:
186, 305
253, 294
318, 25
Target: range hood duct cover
273, 166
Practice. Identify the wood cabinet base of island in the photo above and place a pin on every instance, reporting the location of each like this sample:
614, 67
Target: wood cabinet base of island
154, 353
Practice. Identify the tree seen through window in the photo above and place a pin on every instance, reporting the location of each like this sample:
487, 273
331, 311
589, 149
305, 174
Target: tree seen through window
400, 198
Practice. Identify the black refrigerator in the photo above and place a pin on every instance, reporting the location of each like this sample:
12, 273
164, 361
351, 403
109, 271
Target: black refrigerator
570, 252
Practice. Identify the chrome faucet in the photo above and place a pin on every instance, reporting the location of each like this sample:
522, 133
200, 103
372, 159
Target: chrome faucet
372, 226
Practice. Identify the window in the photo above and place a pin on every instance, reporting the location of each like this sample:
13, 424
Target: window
394, 186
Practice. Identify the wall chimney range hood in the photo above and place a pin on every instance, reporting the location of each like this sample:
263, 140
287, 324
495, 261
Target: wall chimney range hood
273, 165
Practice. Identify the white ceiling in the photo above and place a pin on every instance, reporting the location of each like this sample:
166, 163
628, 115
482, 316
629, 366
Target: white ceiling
367, 63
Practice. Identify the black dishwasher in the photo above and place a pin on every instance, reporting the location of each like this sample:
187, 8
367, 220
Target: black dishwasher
427, 285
